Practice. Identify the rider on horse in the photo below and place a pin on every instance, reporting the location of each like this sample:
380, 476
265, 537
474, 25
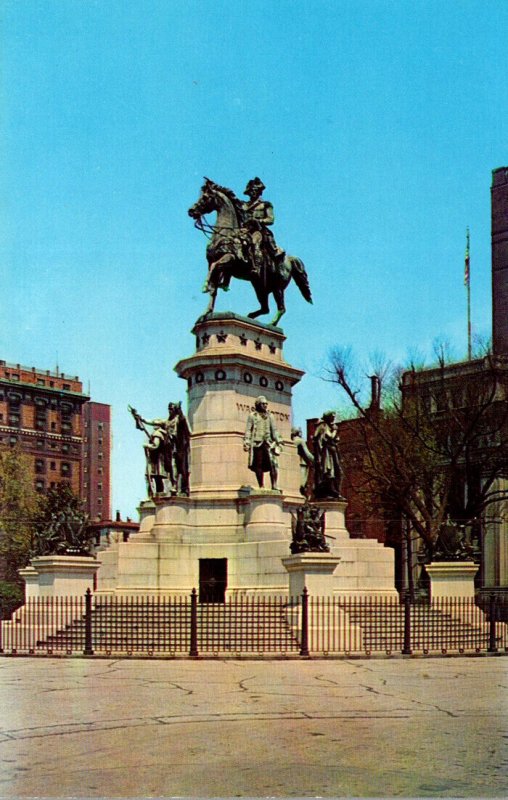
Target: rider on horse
258, 214
242, 246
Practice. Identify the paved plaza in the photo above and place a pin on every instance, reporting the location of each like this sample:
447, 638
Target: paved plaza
366, 728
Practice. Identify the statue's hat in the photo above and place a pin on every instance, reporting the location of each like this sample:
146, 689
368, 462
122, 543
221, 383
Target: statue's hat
255, 183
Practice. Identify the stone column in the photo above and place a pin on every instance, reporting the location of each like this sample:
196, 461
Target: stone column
236, 360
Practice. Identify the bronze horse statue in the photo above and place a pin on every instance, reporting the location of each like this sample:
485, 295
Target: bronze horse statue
227, 254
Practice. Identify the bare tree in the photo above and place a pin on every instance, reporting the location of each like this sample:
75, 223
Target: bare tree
438, 447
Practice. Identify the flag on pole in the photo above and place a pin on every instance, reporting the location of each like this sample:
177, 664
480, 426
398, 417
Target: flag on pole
466, 261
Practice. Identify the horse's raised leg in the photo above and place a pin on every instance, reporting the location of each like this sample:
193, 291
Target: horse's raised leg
219, 274
278, 296
211, 304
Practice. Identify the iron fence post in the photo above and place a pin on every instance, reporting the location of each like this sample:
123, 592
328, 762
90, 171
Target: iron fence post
492, 624
406, 650
304, 649
88, 651
194, 625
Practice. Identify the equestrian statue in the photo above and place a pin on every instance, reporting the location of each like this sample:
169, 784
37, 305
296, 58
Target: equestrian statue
242, 246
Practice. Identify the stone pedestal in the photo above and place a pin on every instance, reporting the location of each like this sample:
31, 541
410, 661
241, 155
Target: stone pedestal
49, 577
452, 578
227, 517
236, 360
311, 571
59, 576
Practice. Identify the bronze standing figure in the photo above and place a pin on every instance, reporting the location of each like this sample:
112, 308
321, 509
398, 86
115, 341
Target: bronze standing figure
327, 462
167, 452
263, 443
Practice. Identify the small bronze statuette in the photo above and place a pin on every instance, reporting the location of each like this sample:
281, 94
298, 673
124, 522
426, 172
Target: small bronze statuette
308, 528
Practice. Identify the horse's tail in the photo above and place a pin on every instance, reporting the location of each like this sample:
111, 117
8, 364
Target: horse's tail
300, 276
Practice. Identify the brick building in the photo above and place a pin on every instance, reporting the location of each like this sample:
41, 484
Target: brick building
95, 465
45, 414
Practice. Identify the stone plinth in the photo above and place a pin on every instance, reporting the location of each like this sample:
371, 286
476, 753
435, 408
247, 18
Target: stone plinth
452, 578
335, 526
59, 576
311, 571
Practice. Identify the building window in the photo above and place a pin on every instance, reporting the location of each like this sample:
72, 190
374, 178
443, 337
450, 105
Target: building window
67, 386
100, 426
13, 440
39, 486
52, 465
66, 426
65, 448
99, 456
99, 487
39, 466
41, 382
65, 469
14, 420
40, 444
99, 501
99, 470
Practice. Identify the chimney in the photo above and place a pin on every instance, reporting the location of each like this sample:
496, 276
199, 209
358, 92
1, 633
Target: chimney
499, 194
375, 393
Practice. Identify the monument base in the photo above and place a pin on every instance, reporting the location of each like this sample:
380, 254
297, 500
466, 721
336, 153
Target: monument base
452, 578
311, 571
244, 537
59, 576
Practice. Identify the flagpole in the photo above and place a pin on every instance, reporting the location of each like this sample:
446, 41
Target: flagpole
467, 282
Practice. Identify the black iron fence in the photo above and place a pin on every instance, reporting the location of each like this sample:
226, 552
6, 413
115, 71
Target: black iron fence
253, 626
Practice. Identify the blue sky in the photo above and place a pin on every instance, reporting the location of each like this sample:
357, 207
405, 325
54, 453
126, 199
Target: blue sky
374, 125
